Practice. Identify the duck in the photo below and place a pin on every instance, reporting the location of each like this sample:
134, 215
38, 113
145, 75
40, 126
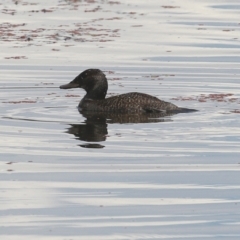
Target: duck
95, 83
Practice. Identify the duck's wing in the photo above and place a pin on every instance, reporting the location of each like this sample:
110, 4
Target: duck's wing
138, 102
153, 110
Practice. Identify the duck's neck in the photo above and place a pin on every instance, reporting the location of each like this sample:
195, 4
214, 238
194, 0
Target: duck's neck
97, 93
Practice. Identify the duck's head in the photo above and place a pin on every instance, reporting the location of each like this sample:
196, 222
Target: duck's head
93, 81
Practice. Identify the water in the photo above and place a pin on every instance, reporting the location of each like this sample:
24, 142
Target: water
69, 176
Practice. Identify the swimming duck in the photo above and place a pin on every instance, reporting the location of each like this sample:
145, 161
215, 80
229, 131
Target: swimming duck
94, 82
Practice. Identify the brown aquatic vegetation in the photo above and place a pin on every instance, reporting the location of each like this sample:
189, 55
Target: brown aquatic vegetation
112, 2
93, 10
16, 57
235, 111
219, 97
25, 3
46, 10
170, 7
153, 77
72, 95
109, 72
21, 34
23, 101
9, 11
114, 79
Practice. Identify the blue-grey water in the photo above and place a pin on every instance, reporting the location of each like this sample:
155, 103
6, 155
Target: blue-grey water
68, 176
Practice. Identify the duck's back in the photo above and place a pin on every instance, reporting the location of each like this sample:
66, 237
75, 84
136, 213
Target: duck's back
129, 102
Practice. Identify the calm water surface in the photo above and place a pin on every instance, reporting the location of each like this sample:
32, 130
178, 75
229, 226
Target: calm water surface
68, 176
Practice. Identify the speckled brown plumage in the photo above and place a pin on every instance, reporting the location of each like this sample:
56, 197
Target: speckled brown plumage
95, 84
127, 103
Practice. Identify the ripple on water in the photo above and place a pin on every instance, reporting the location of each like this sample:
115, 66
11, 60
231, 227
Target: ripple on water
122, 172
67, 175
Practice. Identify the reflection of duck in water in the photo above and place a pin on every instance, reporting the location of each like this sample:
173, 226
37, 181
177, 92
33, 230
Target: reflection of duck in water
96, 86
95, 127
89, 132
100, 117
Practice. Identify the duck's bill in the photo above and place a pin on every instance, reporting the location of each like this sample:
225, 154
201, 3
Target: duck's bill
69, 85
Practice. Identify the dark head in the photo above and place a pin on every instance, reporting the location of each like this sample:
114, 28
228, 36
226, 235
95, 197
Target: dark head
93, 81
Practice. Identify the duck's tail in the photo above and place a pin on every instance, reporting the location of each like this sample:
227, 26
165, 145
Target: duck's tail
186, 110
182, 110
